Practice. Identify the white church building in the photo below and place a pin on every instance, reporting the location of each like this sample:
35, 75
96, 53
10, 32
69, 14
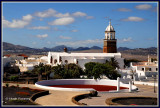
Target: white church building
109, 51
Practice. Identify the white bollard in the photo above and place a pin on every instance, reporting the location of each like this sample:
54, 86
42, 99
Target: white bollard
118, 83
130, 85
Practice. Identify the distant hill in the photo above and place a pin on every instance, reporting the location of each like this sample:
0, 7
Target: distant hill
137, 53
95, 47
141, 51
8, 47
123, 48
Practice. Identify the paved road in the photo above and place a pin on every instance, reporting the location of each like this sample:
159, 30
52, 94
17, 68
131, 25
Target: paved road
63, 98
144, 90
58, 98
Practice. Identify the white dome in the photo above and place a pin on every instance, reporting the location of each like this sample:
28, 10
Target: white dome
109, 27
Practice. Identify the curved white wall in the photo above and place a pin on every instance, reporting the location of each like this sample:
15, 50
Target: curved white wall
47, 83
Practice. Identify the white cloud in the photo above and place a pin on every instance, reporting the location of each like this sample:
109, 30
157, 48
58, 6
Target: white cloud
129, 39
18, 23
62, 15
15, 24
40, 28
123, 9
53, 13
74, 30
42, 36
82, 14
79, 14
64, 37
27, 17
81, 43
62, 21
46, 13
136, 19
143, 7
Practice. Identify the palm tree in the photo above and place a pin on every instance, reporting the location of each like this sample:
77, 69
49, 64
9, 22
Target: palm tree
48, 70
39, 69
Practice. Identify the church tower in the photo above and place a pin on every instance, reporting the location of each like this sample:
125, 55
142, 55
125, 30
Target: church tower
110, 43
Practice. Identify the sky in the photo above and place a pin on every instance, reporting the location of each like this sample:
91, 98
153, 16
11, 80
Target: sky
79, 24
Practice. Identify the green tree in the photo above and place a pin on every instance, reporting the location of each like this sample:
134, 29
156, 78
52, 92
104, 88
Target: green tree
67, 71
48, 70
72, 71
39, 69
110, 71
58, 71
114, 63
88, 69
100, 69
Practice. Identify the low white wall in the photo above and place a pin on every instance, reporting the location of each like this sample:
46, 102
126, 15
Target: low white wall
146, 83
47, 83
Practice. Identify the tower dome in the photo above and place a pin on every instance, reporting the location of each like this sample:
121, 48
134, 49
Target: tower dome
109, 27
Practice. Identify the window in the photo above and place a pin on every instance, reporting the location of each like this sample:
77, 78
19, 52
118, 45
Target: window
142, 69
150, 69
66, 61
55, 61
156, 69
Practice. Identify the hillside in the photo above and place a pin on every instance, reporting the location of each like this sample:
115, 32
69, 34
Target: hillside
137, 53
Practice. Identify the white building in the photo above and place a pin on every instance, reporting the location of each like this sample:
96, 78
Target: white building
145, 69
29, 63
55, 58
109, 51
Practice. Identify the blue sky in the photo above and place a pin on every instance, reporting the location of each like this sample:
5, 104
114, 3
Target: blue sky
39, 25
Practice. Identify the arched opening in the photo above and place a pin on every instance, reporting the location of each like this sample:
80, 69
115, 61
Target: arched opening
60, 58
51, 60
55, 61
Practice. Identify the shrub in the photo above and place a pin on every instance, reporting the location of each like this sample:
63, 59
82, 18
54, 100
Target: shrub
23, 93
19, 101
7, 85
14, 78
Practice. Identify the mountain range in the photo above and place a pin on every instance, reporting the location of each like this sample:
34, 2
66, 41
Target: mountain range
11, 48
18, 48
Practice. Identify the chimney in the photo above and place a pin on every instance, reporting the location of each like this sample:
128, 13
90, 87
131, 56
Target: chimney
65, 49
